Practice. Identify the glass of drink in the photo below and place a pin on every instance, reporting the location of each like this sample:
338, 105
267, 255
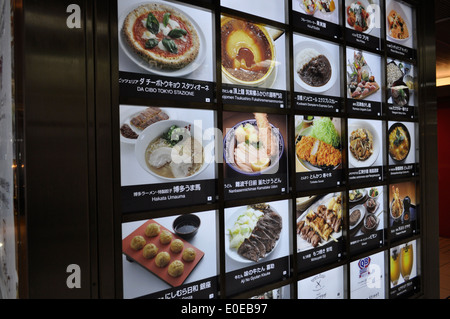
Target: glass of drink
406, 261
395, 266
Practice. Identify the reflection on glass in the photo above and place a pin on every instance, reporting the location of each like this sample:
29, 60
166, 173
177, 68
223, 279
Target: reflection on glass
395, 266
407, 259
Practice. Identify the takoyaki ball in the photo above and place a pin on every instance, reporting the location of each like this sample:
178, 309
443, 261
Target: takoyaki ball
162, 259
165, 237
150, 251
176, 268
189, 254
152, 230
176, 246
137, 243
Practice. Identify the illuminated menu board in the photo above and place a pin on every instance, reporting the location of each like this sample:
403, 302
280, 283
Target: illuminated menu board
363, 23
366, 150
171, 257
326, 285
255, 154
147, 68
259, 117
404, 270
319, 230
317, 83
367, 218
367, 277
256, 245
318, 152
253, 73
400, 29
318, 16
167, 157
403, 209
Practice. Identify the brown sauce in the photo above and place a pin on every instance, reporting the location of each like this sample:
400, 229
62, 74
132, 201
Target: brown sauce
249, 67
316, 72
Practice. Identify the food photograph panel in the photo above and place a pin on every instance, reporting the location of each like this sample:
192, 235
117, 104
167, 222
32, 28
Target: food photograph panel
404, 270
365, 150
283, 292
257, 245
402, 149
367, 277
163, 50
171, 257
167, 157
317, 80
255, 154
254, 60
401, 89
367, 218
403, 210
318, 152
268, 9
363, 23
364, 82
318, 16
325, 285
319, 229
400, 28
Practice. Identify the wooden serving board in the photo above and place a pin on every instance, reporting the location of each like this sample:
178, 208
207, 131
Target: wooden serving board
150, 265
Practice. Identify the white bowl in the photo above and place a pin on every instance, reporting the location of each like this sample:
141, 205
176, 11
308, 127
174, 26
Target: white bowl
156, 130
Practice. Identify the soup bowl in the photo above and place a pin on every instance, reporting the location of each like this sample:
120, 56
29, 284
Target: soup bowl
155, 131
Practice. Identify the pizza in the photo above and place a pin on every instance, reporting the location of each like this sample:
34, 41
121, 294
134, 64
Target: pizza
163, 36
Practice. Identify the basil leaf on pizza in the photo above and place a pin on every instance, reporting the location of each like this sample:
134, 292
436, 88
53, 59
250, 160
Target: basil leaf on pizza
161, 35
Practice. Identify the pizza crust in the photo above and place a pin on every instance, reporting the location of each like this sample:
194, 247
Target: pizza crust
173, 62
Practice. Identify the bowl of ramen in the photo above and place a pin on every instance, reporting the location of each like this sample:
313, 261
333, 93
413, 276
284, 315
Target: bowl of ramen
399, 142
254, 146
248, 52
171, 150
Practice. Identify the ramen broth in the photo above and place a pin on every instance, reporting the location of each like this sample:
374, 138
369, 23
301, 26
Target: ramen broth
167, 170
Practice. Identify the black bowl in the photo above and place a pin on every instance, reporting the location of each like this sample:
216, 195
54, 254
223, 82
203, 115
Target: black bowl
186, 226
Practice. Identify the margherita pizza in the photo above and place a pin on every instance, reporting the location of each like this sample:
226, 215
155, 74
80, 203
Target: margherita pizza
162, 36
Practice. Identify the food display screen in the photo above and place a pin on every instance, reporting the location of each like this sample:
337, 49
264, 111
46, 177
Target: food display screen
257, 245
326, 285
367, 218
367, 277
286, 129
253, 58
362, 22
364, 82
171, 257
317, 80
366, 150
167, 157
318, 152
319, 229
404, 270
255, 154
318, 16
401, 89
400, 29
164, 53
403, 209
402, 149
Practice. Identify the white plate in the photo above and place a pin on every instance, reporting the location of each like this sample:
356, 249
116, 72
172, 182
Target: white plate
303, 245
128, 112
363, 191
376, 144
298, 48
361, 217
372, 21
395, 6
191, 67
231, 252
